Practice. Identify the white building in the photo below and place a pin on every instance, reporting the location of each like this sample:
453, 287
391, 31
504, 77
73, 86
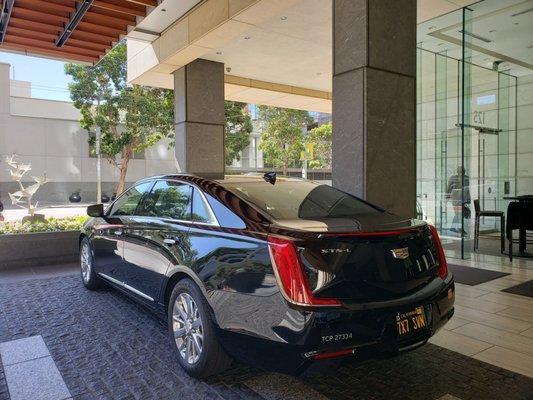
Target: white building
47, 134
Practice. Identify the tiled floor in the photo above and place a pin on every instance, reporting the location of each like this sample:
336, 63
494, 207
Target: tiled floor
491, 325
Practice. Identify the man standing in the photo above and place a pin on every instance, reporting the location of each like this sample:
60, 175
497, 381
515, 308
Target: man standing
454, 192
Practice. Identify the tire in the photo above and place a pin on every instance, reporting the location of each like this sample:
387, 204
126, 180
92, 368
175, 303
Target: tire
211, 359
88, 276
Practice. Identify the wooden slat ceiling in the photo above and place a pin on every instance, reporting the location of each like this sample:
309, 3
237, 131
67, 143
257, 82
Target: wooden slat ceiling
34, 26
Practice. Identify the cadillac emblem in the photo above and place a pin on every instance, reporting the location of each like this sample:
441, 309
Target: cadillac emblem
400, 254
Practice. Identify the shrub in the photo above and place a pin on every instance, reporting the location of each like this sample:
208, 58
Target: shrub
49, 225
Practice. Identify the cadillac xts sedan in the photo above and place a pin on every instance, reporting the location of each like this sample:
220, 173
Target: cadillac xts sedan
282, 273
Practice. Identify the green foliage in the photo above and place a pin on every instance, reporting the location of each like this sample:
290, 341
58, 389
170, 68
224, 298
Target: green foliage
131, 118
237, 130
282, 139
321, 138
48, 225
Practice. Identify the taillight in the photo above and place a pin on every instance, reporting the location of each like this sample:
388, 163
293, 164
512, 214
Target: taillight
443, 265
290, 274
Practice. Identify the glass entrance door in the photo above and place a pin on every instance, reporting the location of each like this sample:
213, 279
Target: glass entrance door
466, 126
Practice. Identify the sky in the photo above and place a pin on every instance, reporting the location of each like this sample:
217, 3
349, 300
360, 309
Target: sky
47, 76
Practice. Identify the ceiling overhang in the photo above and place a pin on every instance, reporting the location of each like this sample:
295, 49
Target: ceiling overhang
276, 52
73, 30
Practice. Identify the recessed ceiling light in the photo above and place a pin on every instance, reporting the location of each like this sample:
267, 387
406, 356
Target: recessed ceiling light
247, 37
283, 18
163, 9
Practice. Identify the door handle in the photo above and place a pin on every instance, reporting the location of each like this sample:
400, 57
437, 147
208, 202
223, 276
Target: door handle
169, 241
118, 232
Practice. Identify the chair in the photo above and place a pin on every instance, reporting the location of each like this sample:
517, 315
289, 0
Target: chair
519, 216
486, 213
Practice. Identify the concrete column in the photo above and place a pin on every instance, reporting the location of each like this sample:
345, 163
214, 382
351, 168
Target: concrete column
374, 131
199, 118
5, 89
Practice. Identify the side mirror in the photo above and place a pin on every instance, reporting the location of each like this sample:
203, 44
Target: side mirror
96, 210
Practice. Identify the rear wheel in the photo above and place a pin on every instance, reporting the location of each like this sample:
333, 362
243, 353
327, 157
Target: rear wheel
192, 332
88, 276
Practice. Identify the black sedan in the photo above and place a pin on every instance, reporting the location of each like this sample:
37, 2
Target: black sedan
282, 273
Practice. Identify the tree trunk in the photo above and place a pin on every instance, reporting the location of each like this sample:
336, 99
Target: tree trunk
285, 167
126, 156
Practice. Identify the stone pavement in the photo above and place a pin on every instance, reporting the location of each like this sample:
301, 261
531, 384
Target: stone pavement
108, 347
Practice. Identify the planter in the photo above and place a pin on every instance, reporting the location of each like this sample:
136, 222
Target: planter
37, 249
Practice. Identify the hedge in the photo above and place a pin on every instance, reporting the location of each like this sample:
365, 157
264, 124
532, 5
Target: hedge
49, 225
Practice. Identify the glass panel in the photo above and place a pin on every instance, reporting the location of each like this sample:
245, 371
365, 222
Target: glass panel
469, 110
464, 168
128, 202
169, 199
301, 199
200, 210
493, 38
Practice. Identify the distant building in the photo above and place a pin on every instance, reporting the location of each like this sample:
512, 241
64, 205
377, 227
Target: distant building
252, 156
47, 134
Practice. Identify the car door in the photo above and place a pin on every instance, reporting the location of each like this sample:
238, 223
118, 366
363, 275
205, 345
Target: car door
155, 237
107, 241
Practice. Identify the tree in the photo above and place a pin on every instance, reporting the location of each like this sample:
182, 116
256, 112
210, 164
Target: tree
131, 118
237, 130
282, 139
321, 137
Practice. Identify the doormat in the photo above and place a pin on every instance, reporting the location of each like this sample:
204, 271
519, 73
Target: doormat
523, 289
473, 276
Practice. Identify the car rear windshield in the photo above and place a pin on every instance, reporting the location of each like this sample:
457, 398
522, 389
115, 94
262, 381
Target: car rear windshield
300, 199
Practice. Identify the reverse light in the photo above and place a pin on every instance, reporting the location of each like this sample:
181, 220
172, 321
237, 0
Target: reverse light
443, 265
290, 274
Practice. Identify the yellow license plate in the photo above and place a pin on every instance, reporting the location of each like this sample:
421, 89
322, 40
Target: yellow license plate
411, 322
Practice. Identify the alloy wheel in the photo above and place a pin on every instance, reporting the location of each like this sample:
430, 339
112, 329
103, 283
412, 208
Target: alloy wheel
187, 327
85, 262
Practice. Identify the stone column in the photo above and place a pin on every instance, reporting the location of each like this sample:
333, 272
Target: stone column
5, 89
374, 131
199, 118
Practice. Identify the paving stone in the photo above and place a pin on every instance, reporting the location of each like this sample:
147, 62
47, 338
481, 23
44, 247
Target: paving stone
37, 379
109, 347
15, 351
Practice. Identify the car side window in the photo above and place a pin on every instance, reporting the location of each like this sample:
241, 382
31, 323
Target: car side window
128, 202
168, 199
200, 210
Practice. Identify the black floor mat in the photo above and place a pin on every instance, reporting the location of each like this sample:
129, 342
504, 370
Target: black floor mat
523, 289
473, 276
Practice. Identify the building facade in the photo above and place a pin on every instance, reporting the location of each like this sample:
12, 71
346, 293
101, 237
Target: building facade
47, 135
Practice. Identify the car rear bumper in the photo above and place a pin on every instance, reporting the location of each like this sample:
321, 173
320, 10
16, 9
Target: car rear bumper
363, 333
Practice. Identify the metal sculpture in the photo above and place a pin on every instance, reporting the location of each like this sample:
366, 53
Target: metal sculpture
22, 198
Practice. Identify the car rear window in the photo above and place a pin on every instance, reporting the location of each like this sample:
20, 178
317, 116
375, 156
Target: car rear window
300, 199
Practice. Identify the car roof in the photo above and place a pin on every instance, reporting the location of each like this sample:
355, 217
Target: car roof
230, 178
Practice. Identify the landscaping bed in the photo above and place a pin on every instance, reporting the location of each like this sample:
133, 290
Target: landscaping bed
54, 240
